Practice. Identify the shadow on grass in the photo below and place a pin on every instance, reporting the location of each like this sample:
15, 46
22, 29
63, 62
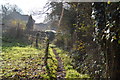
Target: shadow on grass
9, 42
16, 77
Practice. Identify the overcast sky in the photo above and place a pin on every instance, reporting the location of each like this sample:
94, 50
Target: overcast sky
28, 5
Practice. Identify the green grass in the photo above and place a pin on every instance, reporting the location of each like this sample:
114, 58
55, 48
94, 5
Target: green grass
21, 61
52, 63
71, 73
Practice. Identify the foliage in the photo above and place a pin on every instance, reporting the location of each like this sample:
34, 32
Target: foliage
74, 74
106, 27
8, 8
107, 33
78, 53
67, 20
59, 41
70, 71
77, 29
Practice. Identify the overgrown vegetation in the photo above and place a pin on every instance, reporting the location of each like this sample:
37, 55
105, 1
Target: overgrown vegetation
21, 61
82, 48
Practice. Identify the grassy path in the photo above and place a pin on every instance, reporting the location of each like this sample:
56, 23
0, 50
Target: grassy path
60, 69
65, 68
27, 63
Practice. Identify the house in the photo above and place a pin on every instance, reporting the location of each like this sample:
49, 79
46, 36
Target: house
14, 18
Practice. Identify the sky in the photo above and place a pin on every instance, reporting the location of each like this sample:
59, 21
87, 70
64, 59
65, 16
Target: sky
27, 6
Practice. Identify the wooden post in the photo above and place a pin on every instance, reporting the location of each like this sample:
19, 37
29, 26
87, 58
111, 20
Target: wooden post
37, 38
46, 58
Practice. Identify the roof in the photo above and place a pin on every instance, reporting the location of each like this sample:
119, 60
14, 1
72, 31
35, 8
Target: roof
17, 16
